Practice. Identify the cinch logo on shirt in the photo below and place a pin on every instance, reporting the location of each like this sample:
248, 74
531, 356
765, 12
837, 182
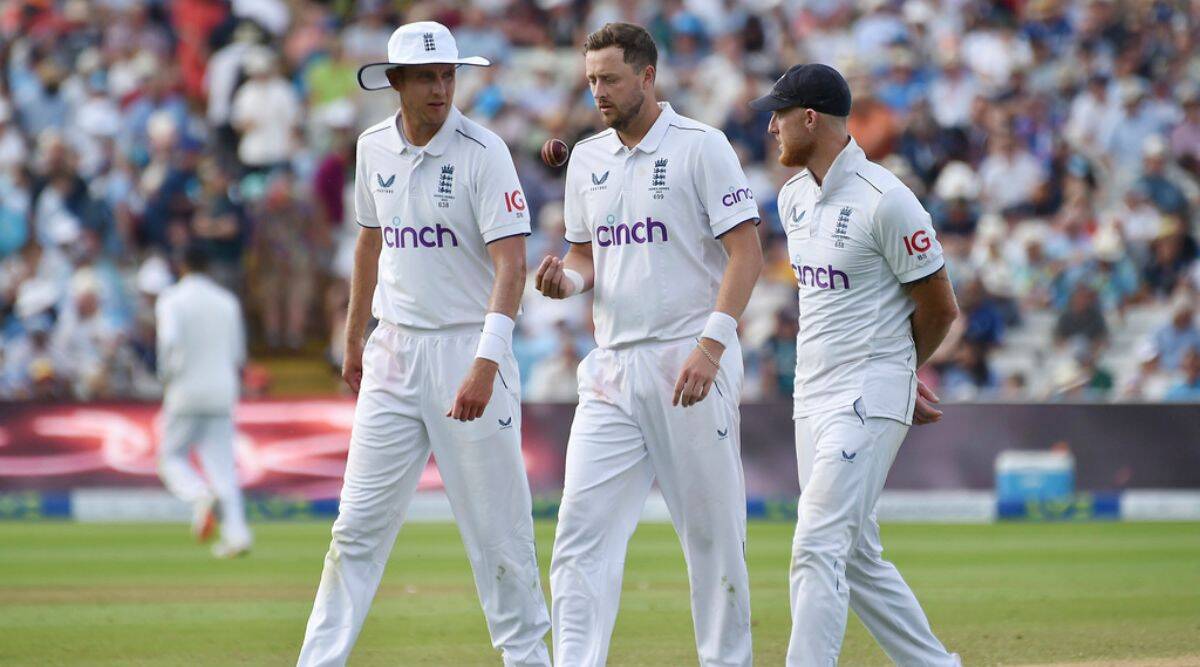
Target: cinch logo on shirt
736, 196
436, 236
623, 234
822, 277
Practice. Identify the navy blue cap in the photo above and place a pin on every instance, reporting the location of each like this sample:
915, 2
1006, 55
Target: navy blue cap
812, 86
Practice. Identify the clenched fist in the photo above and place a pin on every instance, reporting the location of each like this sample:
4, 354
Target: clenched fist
475, 391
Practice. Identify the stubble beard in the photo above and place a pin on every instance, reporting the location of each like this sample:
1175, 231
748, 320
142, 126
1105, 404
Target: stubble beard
624, 117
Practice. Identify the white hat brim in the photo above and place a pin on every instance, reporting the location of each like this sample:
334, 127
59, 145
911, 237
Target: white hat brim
374, 77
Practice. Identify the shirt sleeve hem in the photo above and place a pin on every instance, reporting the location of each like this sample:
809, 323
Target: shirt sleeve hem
734, 219
363, 224
511, 229
921, 272
571, 238
505, 236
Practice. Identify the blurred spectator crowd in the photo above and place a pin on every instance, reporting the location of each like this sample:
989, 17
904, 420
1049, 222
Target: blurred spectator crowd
1055, 143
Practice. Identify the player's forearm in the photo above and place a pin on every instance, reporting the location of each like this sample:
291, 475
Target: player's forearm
510, 281
579, 259
495, 343
741, 274
742, 271
738, 283
934, 312
362, 282
929, 330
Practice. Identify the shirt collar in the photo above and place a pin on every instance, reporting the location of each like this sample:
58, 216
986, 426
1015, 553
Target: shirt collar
440, 141
654, 135
843, 168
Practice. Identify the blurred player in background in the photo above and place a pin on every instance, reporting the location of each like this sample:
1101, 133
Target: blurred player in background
443, 226
201, 349
662, 225
875, 302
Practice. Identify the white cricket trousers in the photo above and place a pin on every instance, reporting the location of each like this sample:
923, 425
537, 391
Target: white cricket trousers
211, 436
837, 559
625, 434
409, 383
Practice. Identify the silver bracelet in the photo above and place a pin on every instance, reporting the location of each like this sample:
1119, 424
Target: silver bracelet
706, 354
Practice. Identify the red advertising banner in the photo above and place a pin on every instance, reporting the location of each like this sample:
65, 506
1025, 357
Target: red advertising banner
298, 448
294, 448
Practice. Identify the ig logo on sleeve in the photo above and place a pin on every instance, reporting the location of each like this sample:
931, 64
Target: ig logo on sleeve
918, 243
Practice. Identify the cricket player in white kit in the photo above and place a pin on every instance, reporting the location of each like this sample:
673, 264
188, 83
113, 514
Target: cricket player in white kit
443, 224
662, 226
875, 303
201, 350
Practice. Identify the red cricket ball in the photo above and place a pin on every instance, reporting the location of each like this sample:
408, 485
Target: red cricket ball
555, 152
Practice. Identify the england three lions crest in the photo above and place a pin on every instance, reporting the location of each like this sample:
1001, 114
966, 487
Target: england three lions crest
658, 179
445, 188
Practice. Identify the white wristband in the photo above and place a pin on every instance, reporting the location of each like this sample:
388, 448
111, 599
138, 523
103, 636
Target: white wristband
496, 341
722, 328
577, 283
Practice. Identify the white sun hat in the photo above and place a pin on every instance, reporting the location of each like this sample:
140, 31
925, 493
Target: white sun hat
421, 43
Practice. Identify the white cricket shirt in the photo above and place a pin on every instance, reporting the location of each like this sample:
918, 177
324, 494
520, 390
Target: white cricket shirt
654, 215
853, 242
438, 205
201, 346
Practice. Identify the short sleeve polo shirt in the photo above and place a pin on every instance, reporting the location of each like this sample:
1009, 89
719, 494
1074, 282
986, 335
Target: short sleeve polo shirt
438, 206
854, 241
654, 215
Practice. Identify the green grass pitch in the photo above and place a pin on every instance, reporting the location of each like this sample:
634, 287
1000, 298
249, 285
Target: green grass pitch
999, 594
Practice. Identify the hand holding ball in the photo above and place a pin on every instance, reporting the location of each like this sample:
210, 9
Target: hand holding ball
555, 153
